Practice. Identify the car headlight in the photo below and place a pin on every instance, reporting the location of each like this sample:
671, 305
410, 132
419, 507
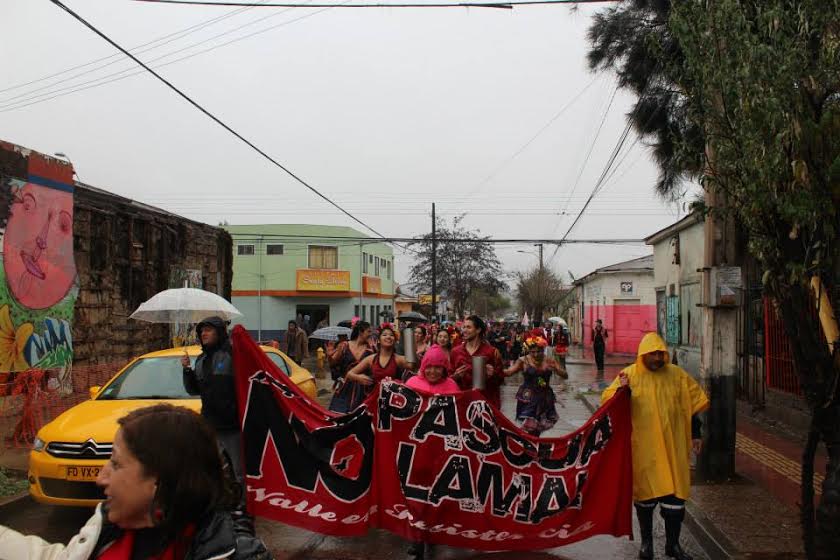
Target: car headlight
38, 444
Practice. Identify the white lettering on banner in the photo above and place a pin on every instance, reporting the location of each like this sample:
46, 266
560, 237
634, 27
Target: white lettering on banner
279, 499
564, 533
400, 512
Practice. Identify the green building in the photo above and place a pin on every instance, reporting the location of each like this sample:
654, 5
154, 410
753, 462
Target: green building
284, 272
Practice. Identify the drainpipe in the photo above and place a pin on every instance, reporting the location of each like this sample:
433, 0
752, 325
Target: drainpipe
259, 289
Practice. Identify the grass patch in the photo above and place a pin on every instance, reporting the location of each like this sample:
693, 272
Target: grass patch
11, 483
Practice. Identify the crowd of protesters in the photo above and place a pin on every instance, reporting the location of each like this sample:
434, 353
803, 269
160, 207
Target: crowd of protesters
153, 511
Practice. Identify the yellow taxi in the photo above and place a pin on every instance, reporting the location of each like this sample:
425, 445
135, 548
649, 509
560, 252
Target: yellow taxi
69, 451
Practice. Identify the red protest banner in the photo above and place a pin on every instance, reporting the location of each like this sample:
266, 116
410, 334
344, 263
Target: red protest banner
446, 469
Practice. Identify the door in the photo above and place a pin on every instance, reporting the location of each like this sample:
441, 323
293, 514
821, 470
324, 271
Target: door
627, 326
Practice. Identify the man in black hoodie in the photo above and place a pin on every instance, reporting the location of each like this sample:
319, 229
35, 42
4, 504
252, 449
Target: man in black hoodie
212, 379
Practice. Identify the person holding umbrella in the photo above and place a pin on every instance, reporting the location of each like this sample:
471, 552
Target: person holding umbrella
212, 378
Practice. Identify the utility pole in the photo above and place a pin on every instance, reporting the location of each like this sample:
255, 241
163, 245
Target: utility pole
434, 265
540, 245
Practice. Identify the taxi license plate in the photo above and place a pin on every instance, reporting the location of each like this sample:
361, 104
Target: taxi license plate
82, 473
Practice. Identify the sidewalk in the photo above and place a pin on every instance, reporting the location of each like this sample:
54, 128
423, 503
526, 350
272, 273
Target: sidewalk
581, 355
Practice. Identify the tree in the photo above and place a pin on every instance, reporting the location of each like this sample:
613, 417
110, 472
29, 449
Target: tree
488, 303
464, 264
538, 290
746, 96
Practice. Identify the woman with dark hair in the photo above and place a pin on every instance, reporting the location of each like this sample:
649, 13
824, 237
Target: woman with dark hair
160, 503
376, 367
444, 341
474, 332
420, 341
345, 357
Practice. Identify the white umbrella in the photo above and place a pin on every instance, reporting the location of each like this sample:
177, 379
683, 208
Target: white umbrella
185, 305
558, 320
330, 333
526, 322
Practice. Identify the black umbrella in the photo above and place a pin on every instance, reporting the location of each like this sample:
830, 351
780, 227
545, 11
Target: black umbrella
412, 316
348, 324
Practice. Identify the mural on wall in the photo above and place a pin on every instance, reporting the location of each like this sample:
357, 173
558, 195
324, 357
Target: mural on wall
38, 280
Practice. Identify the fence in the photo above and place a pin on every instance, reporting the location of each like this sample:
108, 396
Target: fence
31, 399
778, 360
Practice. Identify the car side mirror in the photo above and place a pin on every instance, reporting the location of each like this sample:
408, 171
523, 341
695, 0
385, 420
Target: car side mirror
93, 391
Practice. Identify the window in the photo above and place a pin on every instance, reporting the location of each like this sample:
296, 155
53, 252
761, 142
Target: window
244, 250
372, 315
376, 266
321, 256
370, 258
691, 318
273, 249
355, 311
388, 270
364, 265
364, 313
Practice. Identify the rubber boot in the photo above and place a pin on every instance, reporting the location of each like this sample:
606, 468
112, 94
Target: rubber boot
645, 515
673, 525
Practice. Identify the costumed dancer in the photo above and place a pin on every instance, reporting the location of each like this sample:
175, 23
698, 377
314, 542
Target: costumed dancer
376, 367
343, 359
536, 403
474, 331
664, 402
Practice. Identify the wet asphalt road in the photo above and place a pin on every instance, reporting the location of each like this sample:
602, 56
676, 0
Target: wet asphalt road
56, 524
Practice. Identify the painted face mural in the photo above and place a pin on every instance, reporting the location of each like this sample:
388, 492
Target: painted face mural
38, 282
38, 243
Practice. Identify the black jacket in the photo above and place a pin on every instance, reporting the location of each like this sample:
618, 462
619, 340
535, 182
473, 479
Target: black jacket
212, 378
218, 536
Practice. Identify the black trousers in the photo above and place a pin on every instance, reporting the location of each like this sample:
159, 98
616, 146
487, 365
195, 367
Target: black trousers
599, 348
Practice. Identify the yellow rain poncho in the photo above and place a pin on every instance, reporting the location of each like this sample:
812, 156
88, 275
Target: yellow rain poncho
662, 404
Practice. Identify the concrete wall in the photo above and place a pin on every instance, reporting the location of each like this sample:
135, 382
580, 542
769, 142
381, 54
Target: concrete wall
677, 260
627, 315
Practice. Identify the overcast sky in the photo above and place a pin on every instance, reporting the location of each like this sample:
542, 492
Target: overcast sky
383, 110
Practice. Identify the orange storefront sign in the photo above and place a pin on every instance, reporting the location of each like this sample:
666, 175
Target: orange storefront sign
310, 280
371, 285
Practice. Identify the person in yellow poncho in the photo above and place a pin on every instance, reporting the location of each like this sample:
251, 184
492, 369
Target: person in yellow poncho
664, 402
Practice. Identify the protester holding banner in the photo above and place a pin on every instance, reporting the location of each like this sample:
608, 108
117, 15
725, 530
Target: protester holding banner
433, 376
346, 356
536, 404
474, 332
665, 399
159, 503
382, 365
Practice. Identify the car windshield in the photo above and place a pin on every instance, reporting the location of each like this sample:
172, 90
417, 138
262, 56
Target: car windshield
159, 378
149, 378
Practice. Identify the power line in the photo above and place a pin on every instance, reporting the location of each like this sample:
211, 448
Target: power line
502, 5
213, 117
530, 141
150, 46
258, 235
128, 73
139, 48
588, 153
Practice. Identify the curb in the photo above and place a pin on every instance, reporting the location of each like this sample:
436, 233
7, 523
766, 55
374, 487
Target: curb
709, 537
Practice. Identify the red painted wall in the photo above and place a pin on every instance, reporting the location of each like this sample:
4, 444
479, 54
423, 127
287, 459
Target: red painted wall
626, 325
